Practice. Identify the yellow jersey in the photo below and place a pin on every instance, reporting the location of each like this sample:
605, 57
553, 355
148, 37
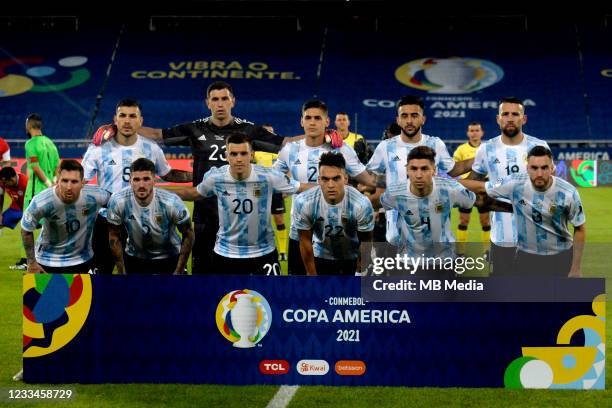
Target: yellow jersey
265, 159
464, 152
352, 138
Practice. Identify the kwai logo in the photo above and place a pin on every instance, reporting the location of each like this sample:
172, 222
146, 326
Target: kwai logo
449, 75
243, 317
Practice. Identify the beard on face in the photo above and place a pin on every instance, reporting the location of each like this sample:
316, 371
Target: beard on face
511, 132
411, 134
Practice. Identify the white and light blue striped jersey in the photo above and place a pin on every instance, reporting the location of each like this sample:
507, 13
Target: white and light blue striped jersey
334, 226
302, 163
498, 160
428, 219
390, 158
111, 162
152, 229
541, 218
65, 239
244, 209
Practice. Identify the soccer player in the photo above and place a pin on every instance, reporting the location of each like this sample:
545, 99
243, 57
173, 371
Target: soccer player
424, 205
543, 206
206, 137
497, 158
42, 158
355, 140
15, 185
300, 159
332, 220
466, 151
389, 158
152, 216
67, 213
245, 239
111, 163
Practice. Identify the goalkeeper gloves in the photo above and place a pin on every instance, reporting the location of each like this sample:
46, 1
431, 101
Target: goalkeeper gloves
334, 138
103, 134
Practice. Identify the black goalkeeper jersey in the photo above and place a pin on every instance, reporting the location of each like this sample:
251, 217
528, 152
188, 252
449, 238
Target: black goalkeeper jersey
207, 142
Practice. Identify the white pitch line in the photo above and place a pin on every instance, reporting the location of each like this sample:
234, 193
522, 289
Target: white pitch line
283, 396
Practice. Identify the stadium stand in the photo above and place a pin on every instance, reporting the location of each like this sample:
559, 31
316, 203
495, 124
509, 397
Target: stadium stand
74, 79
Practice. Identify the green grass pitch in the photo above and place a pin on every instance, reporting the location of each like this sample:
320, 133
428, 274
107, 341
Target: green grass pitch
596, 263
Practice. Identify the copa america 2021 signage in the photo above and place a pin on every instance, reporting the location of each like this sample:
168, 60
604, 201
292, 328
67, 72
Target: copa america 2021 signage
324, 330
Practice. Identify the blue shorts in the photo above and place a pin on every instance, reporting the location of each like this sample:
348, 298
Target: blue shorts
11, 217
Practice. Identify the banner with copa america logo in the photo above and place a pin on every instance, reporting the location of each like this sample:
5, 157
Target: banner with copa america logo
313, 330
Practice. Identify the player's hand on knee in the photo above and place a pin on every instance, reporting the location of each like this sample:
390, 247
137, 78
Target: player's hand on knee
103, 134
34, 267
334, 138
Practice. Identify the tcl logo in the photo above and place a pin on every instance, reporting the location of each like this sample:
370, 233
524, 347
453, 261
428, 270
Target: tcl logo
312, 367
274, 367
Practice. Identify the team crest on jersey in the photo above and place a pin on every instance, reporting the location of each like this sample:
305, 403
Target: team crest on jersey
257, 188
553, 209
439, 207
158, 218
85, 212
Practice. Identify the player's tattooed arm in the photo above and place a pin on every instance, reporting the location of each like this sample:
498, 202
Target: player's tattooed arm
483, 201
28, 245
186, 231
307, 252
367, 178
178, 176
114, 242
461, 167
477, 176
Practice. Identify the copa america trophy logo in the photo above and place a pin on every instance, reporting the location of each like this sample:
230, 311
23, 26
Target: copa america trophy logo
449, 75
243, 317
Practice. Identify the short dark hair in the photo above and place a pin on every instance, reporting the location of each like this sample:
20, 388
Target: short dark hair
7, 173
314, 103
35, 120
511, 99
238, 138
71, 165
332, 159
130, 102
219, 85
342, 113
393, 128
539, 151
142, 164
411, 100
422, 152
474, 124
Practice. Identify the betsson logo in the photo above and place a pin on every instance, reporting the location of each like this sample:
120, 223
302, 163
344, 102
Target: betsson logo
312, 367
274, 367
350, 367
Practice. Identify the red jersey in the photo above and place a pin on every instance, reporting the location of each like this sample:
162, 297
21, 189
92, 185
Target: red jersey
17, 193
4, 149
